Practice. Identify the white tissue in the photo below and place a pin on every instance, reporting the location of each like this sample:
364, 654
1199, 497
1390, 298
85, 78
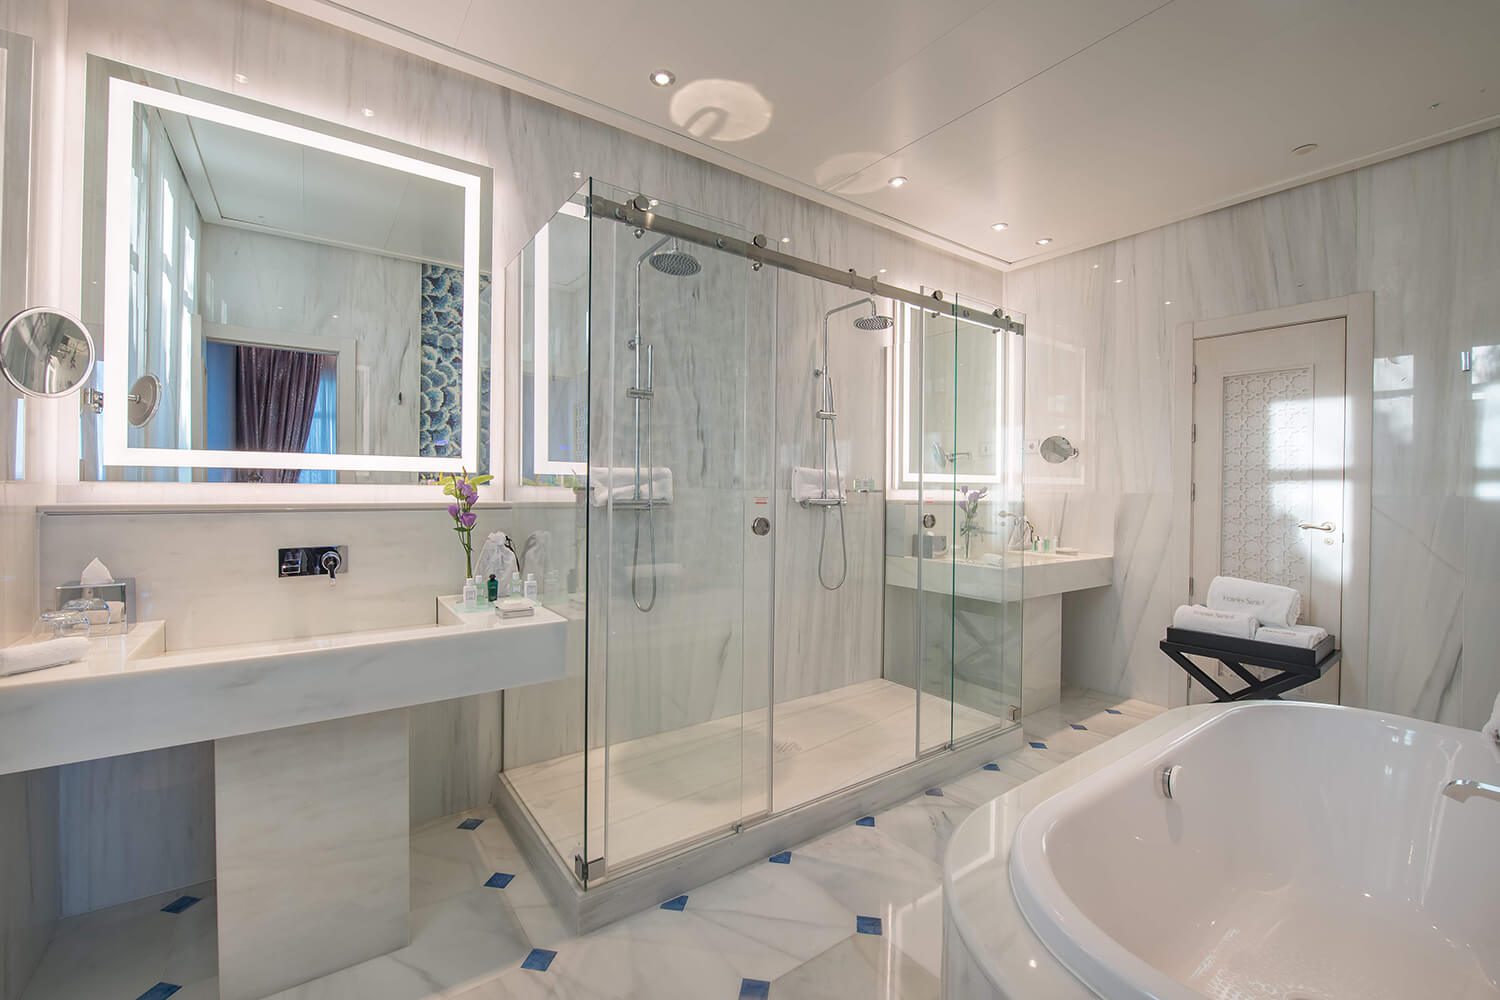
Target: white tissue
94, 574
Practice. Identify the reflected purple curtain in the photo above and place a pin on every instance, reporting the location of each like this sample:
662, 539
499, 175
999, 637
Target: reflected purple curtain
278, 393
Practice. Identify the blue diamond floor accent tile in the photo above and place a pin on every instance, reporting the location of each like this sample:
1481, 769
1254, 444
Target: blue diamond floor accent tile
1077, 725
1037, 745
754, 989
1113, 711
867, 925
934, 792
470, 824
179, 904
783, 858
539, 960
865, 821
499, 880
160, 991
679, 904
991, 767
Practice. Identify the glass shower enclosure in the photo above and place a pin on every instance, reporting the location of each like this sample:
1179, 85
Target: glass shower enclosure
795, 568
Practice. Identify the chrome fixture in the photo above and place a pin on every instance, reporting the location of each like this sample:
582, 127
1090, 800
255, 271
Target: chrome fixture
826, 415
677, 263
1057, 449
1309, 526
1463, 789
45, 353
637, 212
313, 560
141, 402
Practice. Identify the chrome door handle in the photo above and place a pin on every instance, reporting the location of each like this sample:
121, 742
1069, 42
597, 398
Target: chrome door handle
1463, 788
1309, 526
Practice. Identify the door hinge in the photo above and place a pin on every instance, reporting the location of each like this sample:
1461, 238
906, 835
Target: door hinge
1193, 492
586, 870
1465, 361
1195, 434
1191, 588
1195, 374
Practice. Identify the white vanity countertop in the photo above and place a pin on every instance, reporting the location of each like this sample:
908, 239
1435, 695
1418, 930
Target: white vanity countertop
130, 695
1041, 575
976, 870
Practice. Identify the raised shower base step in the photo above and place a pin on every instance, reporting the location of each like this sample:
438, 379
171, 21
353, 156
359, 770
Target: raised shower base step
621, 895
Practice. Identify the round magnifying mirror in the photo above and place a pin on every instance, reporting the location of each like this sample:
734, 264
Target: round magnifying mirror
44, 352
1057, 449
144, 398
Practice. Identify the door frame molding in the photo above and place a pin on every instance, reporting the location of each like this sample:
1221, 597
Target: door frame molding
1358, 313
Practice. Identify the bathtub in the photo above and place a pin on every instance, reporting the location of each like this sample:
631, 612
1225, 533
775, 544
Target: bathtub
1307, 852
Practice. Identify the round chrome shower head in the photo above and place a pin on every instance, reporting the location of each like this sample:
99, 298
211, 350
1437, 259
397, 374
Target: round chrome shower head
676, 262
876, 322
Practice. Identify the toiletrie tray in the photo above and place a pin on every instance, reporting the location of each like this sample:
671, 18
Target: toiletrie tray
1252, 651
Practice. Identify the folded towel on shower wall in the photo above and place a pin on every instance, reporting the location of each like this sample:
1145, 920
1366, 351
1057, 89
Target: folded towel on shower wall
1301, 636
40, 655
1266, 602
807, 484
1197, 618
618, 483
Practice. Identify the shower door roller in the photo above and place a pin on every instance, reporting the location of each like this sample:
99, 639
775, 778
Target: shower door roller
761, 526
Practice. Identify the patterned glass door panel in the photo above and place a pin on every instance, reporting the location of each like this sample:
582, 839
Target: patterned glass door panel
1267, 476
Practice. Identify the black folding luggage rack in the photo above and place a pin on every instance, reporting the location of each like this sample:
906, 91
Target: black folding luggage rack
1294, 665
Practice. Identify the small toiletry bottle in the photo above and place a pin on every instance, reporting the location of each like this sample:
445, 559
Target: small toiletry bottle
515, 584
492, 589
530, 586
471, 594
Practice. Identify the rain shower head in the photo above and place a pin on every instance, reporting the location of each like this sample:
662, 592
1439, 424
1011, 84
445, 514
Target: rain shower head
875, 322
676, 262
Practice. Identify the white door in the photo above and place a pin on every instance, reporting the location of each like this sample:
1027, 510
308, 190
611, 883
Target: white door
1268, 470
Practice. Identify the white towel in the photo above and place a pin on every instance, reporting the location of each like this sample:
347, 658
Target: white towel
1301, 636
1266, 602
1492, 728
1197, 618
618, 483
807, 484
40, 655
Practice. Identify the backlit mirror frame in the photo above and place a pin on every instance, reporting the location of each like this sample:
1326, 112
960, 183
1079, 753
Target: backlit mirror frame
123, 96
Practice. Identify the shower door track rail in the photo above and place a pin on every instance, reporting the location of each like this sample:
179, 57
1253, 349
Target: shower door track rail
638, 213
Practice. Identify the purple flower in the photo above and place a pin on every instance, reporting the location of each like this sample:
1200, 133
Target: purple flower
453, 511
467, 519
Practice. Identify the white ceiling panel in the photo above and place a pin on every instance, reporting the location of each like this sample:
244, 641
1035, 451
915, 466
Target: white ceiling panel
1083, 121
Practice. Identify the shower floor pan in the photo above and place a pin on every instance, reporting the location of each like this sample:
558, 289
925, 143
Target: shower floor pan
838, 755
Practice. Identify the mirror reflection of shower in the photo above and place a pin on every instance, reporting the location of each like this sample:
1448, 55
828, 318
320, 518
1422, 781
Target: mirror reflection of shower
823, 487
651, 487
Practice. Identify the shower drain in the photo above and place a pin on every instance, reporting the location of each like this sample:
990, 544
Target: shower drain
784, 747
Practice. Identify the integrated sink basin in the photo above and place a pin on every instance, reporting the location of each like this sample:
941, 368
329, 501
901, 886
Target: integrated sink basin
132, 694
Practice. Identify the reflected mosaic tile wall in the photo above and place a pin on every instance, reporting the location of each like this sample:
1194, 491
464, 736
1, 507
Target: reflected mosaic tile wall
441, 422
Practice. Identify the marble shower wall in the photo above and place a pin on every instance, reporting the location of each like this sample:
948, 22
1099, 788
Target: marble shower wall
1423, 233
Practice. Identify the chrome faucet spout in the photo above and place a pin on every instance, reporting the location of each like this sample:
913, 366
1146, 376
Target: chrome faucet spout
1462, 789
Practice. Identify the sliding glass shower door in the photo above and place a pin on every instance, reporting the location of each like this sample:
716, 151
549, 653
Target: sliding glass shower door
679, 578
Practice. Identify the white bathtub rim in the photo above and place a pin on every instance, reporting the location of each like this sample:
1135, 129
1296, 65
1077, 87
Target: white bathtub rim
978, 859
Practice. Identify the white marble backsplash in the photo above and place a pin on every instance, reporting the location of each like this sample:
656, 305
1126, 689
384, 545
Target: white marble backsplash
1420, 232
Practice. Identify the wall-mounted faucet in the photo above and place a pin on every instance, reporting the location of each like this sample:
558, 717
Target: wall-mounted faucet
313, 560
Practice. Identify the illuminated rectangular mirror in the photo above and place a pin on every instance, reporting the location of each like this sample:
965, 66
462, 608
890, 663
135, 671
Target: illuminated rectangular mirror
297, 302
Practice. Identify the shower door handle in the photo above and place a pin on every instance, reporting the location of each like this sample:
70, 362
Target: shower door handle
761, 526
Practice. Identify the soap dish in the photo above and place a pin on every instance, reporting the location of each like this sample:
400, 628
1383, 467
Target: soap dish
514, 607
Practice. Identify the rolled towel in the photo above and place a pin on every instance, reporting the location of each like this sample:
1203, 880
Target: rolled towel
1197, 618
1492, 728
608, 483
1265, 602
807, 484
1301, 636
40, 655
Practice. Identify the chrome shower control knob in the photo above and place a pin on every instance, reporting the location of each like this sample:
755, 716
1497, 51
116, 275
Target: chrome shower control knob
761, 526
332, 562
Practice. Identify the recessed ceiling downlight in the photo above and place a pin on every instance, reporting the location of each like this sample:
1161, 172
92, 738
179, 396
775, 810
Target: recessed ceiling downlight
1304, 149
1044, 241
897, 181
663, 77
1000, 227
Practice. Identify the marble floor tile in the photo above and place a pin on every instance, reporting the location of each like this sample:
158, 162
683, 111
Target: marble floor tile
793, 925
